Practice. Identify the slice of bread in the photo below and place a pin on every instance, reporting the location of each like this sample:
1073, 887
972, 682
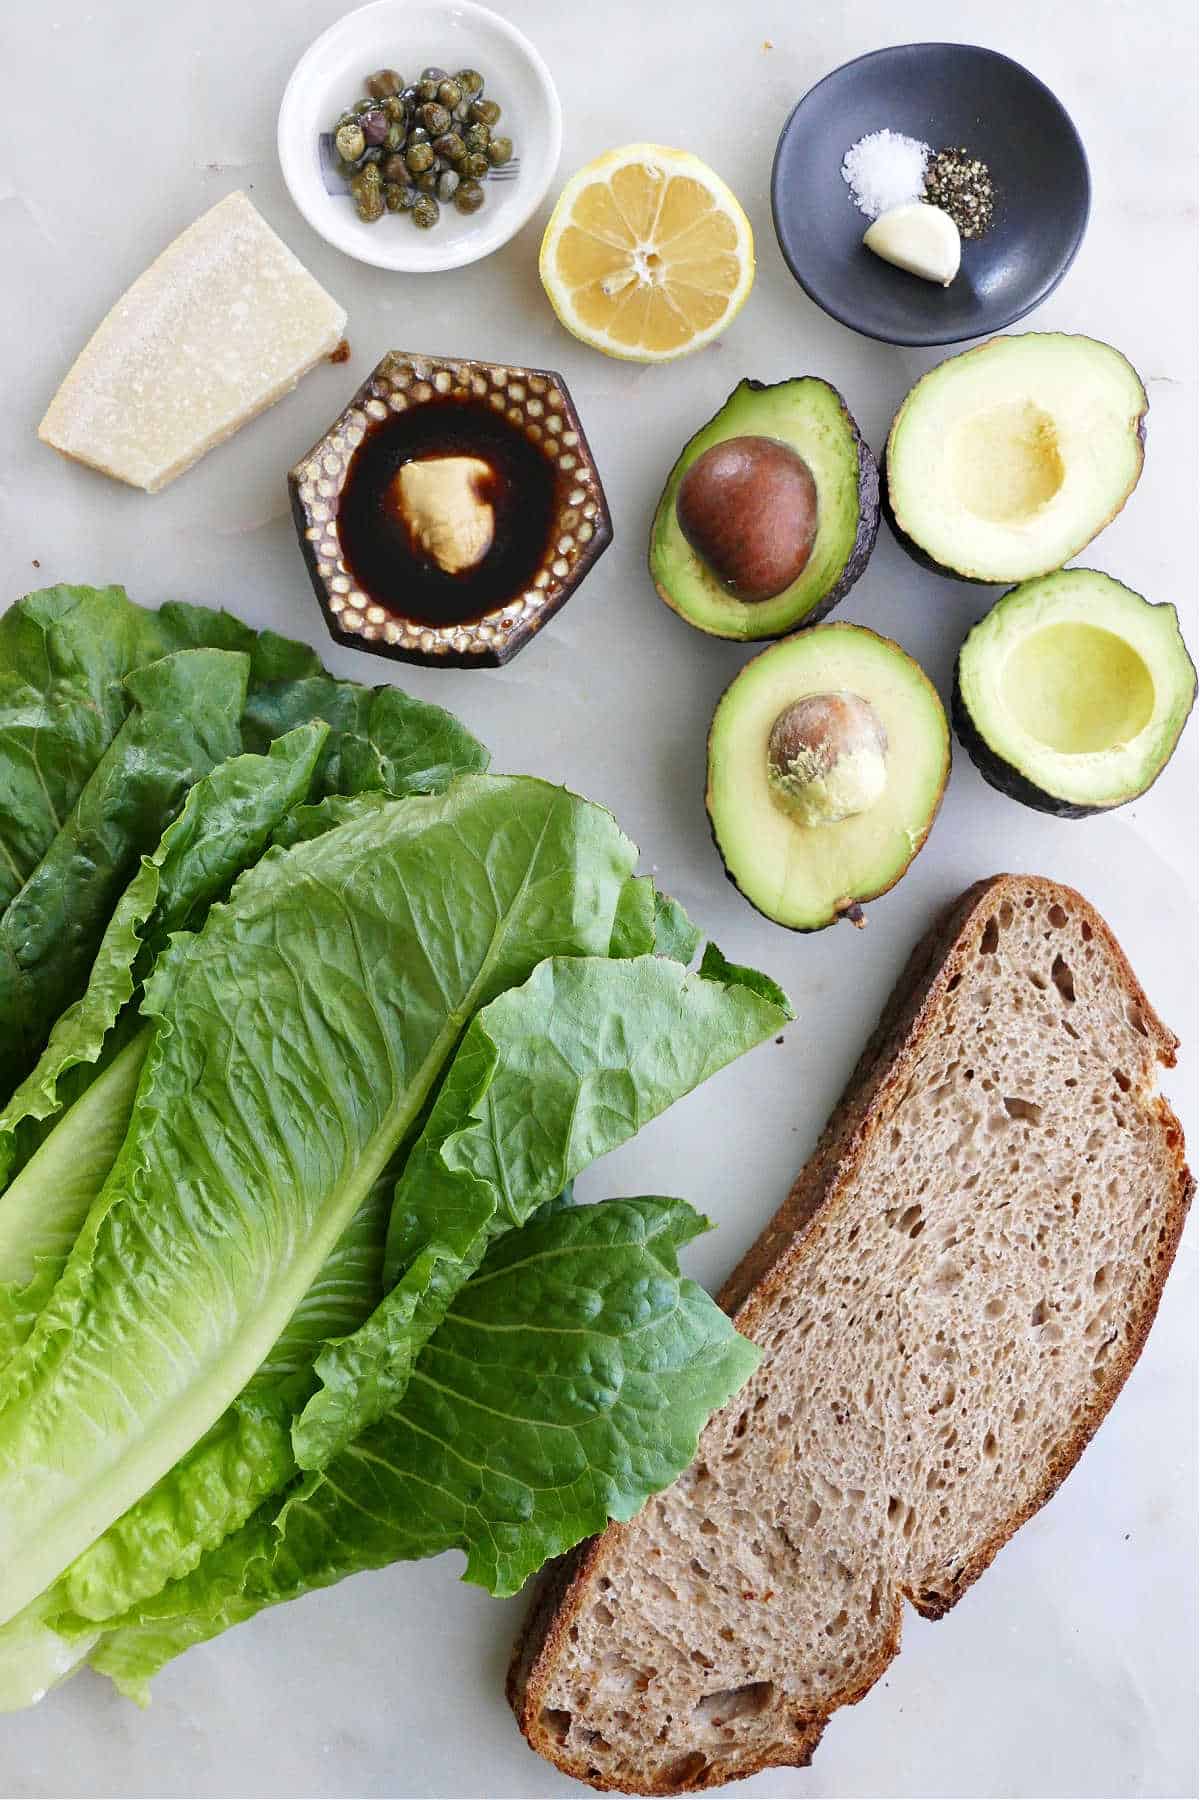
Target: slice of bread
949, 1302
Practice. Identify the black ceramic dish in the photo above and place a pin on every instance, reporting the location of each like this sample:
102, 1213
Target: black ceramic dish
944, 94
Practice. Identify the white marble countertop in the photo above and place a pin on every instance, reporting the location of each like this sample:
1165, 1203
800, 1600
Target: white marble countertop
1071, 1669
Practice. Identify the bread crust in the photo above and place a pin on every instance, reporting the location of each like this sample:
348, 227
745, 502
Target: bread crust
776, 1261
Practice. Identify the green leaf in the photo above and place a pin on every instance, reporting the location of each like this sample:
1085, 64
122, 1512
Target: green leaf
246, 1456
549, 1077
64, 655
226, 821
35, 1657
45, 1205
380, 738
713, 967
674, 934
185, 720
633, 927
569, 1382
305, 822
299, 1037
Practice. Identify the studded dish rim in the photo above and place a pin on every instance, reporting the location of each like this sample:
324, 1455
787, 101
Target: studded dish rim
536, 400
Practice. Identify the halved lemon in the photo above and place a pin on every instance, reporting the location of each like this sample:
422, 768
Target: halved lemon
648, 254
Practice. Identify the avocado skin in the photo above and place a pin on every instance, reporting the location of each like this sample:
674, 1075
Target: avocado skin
868, 512
868, 516
911, 548
1001, 775
855, 913
1007, 779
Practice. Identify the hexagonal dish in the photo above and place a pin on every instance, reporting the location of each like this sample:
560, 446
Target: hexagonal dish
534, 406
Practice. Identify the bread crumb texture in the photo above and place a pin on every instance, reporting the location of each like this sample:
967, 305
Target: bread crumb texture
948, 1303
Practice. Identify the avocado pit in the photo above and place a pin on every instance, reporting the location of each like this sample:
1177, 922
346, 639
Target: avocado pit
748, 508
827, 758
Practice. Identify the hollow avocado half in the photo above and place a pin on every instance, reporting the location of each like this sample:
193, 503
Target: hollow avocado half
807, 875
1070, 695
1005, 461
811, 418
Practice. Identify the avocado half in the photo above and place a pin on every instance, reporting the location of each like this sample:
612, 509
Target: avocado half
806, 876
1070, 695
812, 419
1005, 461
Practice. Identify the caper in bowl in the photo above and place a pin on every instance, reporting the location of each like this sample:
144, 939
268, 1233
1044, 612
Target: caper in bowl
411, 80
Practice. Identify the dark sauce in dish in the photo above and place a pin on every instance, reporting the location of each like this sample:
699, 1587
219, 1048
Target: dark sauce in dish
379, 550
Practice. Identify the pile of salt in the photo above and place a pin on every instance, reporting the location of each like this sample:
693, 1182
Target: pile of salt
885, 169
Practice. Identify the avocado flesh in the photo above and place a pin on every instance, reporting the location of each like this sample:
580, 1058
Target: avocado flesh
1072, 692
810, 417
1005, 461
806, 876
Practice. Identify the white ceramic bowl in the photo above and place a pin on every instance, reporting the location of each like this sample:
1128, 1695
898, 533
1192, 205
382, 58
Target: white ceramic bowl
409, 36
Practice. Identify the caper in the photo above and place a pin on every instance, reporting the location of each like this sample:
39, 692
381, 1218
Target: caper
434, 74
375, 126
435, 119
426, 182
395, 169
419, 157
382, 83
477, 137
396, 135
395, 108
372, 154
469, 196
368, 195
396, 197
449, 93
450, 146
485, 112
470, 81
499, 151
426, 91
426, 212
447, 185
474, 165
418, 135
462, 112
349, 142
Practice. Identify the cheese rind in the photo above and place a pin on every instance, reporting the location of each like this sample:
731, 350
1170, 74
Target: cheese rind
217, 329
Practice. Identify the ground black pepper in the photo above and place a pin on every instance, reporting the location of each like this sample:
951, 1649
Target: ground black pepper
961, 184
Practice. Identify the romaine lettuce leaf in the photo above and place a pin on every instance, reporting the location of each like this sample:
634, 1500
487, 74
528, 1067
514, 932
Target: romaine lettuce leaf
549, 1077
65, 653
185, 719
380, 739
245, 1457
674, 934
44, 1207
227, 820
648, 921
568, 1383
300, 1035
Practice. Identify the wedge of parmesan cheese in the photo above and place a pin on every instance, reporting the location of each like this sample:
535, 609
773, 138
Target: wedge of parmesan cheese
216, 330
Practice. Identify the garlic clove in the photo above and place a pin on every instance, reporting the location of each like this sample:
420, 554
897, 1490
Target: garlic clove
917, 237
